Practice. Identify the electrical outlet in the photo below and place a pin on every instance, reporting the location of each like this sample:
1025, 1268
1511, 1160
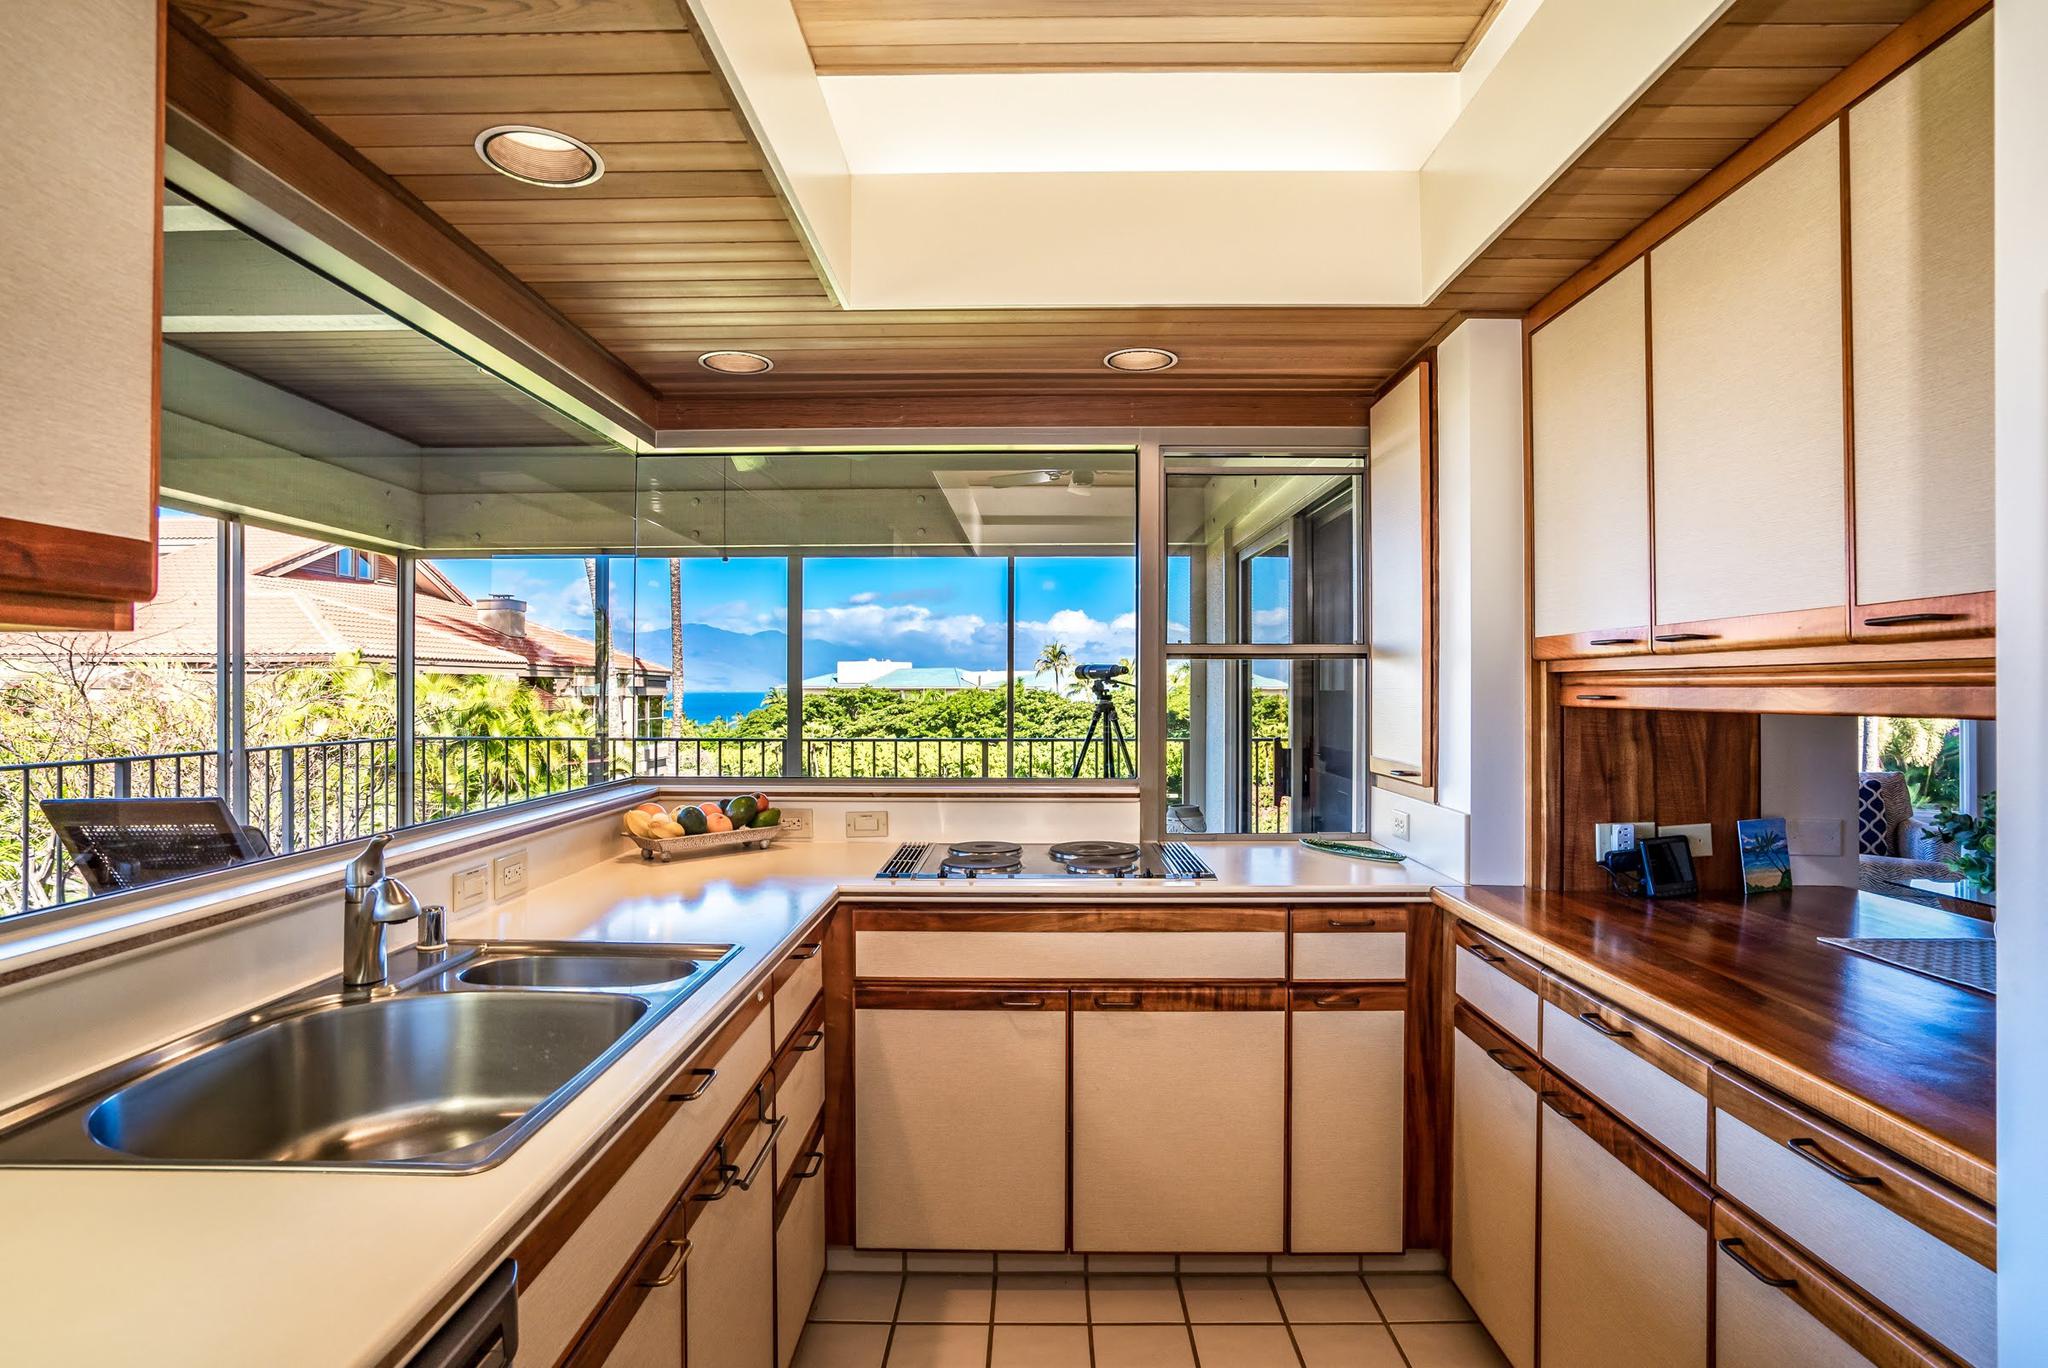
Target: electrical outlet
867, 822
1400, 825
796, 824
1699, 836
472, 888
1612, 836
1813, 836
508, 875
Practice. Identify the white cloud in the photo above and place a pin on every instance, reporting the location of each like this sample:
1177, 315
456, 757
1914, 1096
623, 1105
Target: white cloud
864, 596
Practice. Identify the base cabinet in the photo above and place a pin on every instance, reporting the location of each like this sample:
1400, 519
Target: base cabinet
1493, 1182
1179, 1119
1349, 1077
799, 1251
641, 1323
730, 1301
1623, 1244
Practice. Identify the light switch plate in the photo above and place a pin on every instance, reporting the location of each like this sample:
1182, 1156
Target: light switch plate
1813, 835
1699, 836
508, 875
867, 822
472, 888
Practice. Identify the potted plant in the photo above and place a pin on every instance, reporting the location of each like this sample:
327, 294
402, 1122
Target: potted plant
1976, 841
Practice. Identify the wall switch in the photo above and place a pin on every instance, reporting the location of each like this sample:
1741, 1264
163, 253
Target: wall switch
1400, 825
1813, 835
1699, 836
796, 824
867, 822
472, 888
508, 875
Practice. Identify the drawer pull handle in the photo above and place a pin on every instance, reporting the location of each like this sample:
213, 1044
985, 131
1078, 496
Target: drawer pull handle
1731, 1245
1550, 1100
1611, 1032
1812, 1153
1331, 1000
813, 1166
725, 1174
1021, 1002
1688, 636
1405, 774
1127, 1003
815, 1039
1599, 698
1499, 1054
1339, 924
705, 1077
808, 950
767, 1148
1485, 955
673, 1269
1615, 641
1909, 619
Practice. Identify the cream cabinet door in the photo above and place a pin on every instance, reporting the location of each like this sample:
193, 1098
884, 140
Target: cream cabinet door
960, 1118
1493, 1183
1624, 1267
1748, 443
730, 1286
654, 1337
1347, 1103
1589, 462
1921, 323
1401, 512
1180, 1118
799, 1252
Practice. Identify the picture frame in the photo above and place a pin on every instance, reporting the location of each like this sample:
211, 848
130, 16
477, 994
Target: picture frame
1766, 855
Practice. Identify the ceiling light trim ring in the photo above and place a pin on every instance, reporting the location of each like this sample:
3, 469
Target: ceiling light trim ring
709, 361
529, 165
1166, 360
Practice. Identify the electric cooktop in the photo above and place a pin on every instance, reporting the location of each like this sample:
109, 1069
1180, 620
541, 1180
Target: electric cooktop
1068, 859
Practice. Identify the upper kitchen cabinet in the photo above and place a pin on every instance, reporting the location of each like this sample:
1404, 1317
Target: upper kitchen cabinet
1590, 473
1920, 272
1748, 441
81, 98
1401, 510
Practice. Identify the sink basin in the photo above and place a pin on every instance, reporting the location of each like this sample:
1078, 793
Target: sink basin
601, 970
438, 1077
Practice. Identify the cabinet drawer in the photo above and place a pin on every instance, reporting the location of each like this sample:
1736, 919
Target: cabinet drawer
799, 1247
1773, 1308
579, 1250
729, 1296
1041, 955
1636, 1071
799, 1089
1350, 943
798, 980
641, 1325
1916, 1246
1500, 983
1347, 1111
1493, 1182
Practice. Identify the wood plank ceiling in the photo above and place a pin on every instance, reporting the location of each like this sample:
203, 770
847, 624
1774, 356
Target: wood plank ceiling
870, 37
684, 246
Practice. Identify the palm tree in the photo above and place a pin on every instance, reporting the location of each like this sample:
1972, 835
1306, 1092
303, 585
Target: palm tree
1056, 660
675, 646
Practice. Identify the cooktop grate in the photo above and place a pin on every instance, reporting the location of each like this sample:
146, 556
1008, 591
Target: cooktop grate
1186, 864
905, 861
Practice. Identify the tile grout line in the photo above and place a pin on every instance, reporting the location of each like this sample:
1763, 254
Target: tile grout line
1187, 1319
1286, 1321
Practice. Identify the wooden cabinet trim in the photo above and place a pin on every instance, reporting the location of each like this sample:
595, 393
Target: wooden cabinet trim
809, 1035
1926, 619
794, 961
871, 995
1358, 997
1340, 920
972, 917
1619, 641
813, 1145
1795, 627
1630, 1032
67, 563
1517, 966
1641, 1155
1954, 1218
1498, 1046
1192, 999
1858, 1323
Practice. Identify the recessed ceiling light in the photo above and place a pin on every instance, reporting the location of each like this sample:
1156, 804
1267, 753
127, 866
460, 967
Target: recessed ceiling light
539, 156
1140, 359
735, 362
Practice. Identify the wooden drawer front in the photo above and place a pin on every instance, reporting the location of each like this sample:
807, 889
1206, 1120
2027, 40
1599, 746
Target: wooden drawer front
798, 981
1493, 1183
1179, 1124
1773, 1309
1634, 1070
552, 1309
1350, 943
1041, 955
1500, 983
1623, 1244
1918, 1248
799, 1092
799, 1253
1348, 1080
960, 1118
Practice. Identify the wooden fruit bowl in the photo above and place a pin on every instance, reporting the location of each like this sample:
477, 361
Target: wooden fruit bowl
664, 849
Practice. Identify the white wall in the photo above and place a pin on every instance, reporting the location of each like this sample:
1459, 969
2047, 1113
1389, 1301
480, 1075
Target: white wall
1809, 777
2022, 436
1477, 828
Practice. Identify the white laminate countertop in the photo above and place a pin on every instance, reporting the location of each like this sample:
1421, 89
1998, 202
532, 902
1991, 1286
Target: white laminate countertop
119, 1265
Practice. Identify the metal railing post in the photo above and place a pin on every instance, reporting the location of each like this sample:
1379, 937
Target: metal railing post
288, 801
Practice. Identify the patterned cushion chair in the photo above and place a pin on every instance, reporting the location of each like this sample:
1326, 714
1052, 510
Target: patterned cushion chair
1892, 843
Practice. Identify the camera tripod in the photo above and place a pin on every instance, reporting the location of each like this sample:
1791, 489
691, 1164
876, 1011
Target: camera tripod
1116, 743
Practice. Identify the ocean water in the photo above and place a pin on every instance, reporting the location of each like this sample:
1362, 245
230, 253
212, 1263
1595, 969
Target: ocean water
708, 706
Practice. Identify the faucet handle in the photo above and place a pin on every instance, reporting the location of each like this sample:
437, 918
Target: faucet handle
368, 865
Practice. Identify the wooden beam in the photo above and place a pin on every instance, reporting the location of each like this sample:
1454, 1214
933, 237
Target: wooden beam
1194, 408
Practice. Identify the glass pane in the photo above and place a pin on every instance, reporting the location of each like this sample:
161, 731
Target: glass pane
107, 714
1263, 745
1261, 557
1077, 648
721, 630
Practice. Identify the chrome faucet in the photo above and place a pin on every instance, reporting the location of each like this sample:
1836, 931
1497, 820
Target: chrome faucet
370, 901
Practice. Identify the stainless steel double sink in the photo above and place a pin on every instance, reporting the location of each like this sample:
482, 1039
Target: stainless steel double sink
446, 1070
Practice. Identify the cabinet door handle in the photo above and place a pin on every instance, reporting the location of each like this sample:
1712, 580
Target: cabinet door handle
1598, 698
1810, 1150
1499, 1054
767, 1148
1022, 1002
1611, 1032
1615, 641
673, 1269
725, 1174
1485, 955
816, 1038
813, 1166
808, 950
1688, 636
1550, 1100
1730, 1247
1405, 774
1338, 923
1331, 1000
705, 1077
1909, 619
1125, 1003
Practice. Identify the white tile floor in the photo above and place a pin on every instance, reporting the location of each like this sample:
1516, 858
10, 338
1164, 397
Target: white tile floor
1159, 1319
